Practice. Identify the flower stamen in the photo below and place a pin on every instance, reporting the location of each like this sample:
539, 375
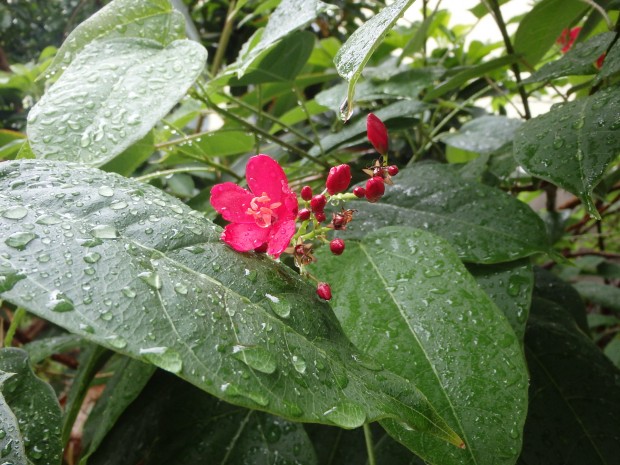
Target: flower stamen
262, 209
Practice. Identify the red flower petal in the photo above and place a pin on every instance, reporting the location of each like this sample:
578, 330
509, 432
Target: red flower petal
244, 237
281, 238
232, 202
264, 174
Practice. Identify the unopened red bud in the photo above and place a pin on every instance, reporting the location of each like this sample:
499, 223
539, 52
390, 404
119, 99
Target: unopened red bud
338, 179
375, 188
306, 193
377, 133
304, 214
359, 192
324, 291
318, 202
337, 246
320, 216
392, 170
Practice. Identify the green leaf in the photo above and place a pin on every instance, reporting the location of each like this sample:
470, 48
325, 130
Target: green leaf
611, 65
404, 297
40, 349
157, 284
573, 144
612, 350
147, 19
33, 403
130, 377
481, 10
111, 96
510, 285
132, 157
335, 446
603, 294
578, 60
173, 422
542, 26
483, 135
220, 143
482, 223
359, 47
390, 452
574, 413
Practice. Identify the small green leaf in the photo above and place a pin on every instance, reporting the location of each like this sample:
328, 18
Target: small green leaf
132, 157
33, 403
147, 19
482, 223
405, 298
40, 349
573, 144
157, 284
603, 294
578, 60
542, 25
483, 135
359, 47
574, 414
111, 96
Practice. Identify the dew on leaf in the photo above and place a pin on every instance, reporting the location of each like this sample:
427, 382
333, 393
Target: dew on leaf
299, 364
255, 357
92, 257
20, 240
180, 288
116, 341
59, 302
104, 231
164, 357
128, 292
151, 278
15, 213
346, 415
280, 306
8, 279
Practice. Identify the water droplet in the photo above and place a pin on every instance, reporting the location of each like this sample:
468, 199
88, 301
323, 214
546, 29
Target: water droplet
299, 364
164, 357
15, 213
251, 275
116, 341
92, 257
8, 279
367, 362
255, 357
151, 278
280, 306
106, 191
20, 240
579, 123
104, 231
346, 415
59, 302
128, 292
180, 288
48, 220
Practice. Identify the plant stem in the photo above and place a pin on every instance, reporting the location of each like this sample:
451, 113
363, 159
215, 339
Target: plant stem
302, 102
369, 444
224, 38
493, 7
18, 316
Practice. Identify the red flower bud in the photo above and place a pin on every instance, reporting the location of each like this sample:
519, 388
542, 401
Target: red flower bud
338, 179
337, 246
320, 216
375, 188
306, 193
392, 170
304, 214
324, 291
600, 60
359, 192
377, 133
318, 202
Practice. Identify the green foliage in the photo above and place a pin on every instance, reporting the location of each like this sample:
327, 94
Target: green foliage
474, 317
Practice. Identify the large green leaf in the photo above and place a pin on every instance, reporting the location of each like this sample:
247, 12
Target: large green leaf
574, 415
150, 19
359, 47
483, 224
483, 135
542, 26
404, 297
135, 270
573, 144
173, 422
110, 96
33, 403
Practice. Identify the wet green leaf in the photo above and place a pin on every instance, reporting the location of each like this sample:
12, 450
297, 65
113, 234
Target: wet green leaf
41, 349
605, 295
110, 96
611, 64
173, 422
359, 47
135, 270
335, 445
574, 415
482, 223
483, 135
128, 162
404, 297
147, 19
29, 413
573, 144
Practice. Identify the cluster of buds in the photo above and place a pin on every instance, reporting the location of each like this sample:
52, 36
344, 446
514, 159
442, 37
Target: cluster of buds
313, 218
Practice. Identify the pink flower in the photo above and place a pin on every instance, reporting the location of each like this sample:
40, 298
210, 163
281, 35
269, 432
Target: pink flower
264, 215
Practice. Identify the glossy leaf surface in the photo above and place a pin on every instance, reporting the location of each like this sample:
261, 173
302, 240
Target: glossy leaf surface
571, 418
483, 224
359, 47
156, 283
572, 145
483, 135
404, 297
111, 96
153, 19
33, 404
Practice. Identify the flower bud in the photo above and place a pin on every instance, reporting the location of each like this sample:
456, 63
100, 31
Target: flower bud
375, 188
377, 133
306, 193
318, 202
324, 291
359, 192
320, 216
336, 246
338, 179
392, 170
304, 214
